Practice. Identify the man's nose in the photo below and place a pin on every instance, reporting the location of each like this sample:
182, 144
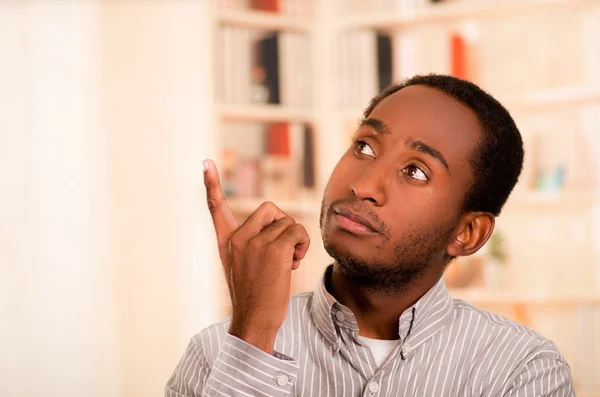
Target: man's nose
370, 184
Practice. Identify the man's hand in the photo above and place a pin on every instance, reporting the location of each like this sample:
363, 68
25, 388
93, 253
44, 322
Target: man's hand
258, 258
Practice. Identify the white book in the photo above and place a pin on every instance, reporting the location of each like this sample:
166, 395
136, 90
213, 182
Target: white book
343, 69
296, 132
304, 81
287, 68
366, 55
591, 40
240, 66
435, 55
227, 73
353, 69
232, 4
235, 64
404, 56
245, 66
588, 122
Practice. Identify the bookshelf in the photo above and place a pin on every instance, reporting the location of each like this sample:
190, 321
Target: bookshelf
264, 114
543, 281
546, 99
423, 13
264, 20
554, 201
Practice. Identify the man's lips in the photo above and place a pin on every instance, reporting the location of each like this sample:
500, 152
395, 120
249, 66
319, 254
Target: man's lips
354, 221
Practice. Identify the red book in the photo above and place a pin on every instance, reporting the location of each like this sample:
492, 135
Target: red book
278, 139
265, 5
458, 49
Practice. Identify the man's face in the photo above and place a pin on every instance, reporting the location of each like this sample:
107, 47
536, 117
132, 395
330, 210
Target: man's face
392, 202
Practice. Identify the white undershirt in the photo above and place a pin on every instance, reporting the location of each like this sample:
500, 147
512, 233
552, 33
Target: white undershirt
380, 348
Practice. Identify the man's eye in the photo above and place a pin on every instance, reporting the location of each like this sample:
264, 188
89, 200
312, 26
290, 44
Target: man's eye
363, 147
415, 172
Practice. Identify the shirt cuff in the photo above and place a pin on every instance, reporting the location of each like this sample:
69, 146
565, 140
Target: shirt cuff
243, 369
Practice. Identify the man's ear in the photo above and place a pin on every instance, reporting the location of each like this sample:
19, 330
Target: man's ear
472, 232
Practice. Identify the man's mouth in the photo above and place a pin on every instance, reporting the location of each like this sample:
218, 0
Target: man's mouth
354, 222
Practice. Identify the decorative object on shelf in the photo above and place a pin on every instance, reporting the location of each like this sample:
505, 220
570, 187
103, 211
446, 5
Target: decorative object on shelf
228, 170
482, 269
550, 180
259, 92
278, 169
247, 178
464, 271
494, 254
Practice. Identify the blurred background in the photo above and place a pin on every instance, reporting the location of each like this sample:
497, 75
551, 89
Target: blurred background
108, 262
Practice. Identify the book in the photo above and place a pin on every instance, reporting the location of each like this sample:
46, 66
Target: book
265, 5
268, 58
458, 53
384, 60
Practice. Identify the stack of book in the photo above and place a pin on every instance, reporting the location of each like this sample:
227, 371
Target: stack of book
271, 161
298, 8
264, 67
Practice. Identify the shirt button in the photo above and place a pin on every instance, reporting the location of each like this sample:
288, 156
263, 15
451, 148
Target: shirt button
373, 387
340, 316
282, 380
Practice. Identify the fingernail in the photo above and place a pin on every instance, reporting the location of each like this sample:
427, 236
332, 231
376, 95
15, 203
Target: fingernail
206, 165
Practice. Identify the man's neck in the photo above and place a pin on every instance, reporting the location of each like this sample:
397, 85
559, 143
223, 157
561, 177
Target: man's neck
376, 313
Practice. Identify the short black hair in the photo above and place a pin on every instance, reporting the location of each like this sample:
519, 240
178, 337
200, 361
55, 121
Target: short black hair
498, 160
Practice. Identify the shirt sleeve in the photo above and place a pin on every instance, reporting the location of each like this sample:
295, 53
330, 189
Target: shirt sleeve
240, 369
543, 377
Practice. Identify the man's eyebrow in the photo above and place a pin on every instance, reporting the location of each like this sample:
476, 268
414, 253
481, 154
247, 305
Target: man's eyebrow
422, 147
376, 125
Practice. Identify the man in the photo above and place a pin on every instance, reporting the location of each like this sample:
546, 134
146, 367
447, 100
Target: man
431, 166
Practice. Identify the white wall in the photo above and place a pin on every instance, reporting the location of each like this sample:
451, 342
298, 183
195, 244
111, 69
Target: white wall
106, 260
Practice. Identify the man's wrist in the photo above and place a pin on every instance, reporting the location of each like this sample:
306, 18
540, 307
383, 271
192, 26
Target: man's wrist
261, 338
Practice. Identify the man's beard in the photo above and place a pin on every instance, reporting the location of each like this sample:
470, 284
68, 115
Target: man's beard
410, 260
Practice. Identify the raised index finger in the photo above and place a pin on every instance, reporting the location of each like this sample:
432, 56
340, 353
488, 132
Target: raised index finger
223, 219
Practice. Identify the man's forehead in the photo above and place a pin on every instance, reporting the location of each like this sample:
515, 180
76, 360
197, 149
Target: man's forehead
428, 111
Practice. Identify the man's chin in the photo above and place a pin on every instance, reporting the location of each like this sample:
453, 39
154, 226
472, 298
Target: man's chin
344, 253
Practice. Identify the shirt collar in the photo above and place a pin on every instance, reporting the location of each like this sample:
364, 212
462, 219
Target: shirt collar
431, 313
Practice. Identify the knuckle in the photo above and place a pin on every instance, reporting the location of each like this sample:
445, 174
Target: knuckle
267, 205
287, 220
235, 242
299, 229
272, 250
255, 243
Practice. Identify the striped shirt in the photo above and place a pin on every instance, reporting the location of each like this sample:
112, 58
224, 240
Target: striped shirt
447, 347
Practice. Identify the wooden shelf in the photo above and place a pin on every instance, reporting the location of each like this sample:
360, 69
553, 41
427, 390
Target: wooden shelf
245, 207
541, 100
553, 200
263, 20
481, 296
567, 96
451, 12
264, 114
